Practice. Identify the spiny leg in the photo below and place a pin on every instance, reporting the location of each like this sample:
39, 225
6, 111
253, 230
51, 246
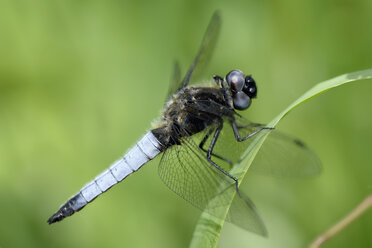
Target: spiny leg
209, 154
225, 89
218, 80
241, 126
237, 135
201, 146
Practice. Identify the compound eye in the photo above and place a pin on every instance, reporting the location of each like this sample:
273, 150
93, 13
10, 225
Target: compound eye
235, 80
241, 101
250, 87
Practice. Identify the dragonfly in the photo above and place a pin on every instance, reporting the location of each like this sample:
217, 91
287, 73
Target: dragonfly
202, 136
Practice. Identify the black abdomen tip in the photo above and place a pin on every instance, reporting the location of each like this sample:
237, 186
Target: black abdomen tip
65, 211
56, 217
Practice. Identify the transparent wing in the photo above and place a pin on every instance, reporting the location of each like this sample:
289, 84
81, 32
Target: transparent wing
206, 49
283, 155
175, 80
280, 155
186, 171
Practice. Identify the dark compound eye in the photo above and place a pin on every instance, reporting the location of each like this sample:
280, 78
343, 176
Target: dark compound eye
241, 100
250, 87
235, 80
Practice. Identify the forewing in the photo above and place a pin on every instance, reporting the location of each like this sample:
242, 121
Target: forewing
175, 80
280, 155
186, 171
283, 155
206, 49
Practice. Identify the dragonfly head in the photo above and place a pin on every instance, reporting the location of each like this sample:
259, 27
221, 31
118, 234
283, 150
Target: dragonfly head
243, 89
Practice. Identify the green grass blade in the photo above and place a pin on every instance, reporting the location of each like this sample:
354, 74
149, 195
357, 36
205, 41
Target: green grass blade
208, 229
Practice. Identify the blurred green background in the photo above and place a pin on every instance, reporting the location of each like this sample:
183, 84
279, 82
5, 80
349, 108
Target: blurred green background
81, 81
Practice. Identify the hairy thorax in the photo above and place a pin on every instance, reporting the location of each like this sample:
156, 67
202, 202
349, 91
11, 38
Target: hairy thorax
188, 112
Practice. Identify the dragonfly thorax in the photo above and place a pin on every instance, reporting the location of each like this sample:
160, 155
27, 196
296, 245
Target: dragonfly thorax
190, 111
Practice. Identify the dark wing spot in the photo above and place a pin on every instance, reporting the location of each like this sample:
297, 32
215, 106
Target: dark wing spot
299, 143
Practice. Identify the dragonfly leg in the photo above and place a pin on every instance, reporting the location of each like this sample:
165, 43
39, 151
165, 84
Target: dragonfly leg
237, 135
225, 89
209, 154
218, 80
250, 125
201, 146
